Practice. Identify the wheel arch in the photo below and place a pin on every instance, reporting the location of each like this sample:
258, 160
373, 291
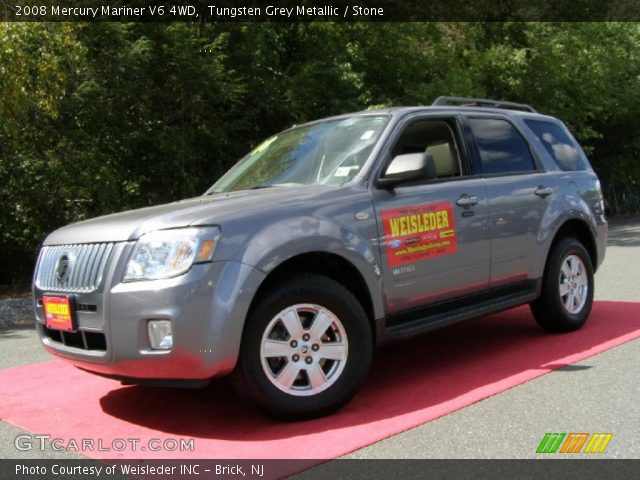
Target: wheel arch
330, 265
580, 230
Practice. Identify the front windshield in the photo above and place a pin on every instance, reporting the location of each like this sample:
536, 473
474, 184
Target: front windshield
321, 153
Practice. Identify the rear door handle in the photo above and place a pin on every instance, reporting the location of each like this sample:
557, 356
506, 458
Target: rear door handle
467, 201
543, 191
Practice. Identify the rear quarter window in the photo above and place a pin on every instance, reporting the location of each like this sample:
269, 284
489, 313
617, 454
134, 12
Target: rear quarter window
562, 148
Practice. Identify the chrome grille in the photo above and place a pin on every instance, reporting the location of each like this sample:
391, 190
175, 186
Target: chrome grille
86, 264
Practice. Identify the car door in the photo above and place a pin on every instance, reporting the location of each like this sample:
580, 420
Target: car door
433, 234
519, 193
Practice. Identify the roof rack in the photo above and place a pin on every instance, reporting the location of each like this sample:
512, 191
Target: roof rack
481, 102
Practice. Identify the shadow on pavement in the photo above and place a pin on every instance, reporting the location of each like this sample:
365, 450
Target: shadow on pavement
624, 232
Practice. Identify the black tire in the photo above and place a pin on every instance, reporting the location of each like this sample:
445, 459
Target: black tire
549, 309
251, 376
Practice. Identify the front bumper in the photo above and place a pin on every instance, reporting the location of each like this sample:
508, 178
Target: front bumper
207, 307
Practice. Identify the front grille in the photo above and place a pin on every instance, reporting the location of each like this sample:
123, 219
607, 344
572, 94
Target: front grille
72, 268
84, 340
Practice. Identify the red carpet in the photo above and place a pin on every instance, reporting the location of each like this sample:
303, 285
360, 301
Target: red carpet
411, 383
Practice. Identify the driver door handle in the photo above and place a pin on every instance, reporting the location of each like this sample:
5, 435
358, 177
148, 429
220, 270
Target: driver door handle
467, 201
543, 191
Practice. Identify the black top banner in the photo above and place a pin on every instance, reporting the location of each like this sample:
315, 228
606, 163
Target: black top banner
313, 11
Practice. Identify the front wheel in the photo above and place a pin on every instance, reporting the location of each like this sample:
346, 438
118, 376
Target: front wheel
306, 349
567, 288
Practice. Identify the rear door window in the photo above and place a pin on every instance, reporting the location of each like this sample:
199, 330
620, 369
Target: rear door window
501, 147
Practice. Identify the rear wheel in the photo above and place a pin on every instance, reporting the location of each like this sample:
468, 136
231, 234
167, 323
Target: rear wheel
567, 288
306, 349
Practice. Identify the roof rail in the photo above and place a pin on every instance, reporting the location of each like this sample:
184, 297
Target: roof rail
481, 102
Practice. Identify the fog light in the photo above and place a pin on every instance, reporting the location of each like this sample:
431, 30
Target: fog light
160, 335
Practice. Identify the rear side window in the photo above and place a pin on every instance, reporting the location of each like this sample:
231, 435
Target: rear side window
559, 144
501, 147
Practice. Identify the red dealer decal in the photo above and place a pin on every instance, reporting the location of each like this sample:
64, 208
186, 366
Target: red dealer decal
419, 232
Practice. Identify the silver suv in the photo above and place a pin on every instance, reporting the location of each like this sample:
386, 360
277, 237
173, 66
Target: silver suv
326, 239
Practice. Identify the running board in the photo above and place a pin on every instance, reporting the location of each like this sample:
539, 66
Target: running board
418, 324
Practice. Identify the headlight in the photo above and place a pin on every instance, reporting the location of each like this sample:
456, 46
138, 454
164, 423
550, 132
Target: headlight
169, 253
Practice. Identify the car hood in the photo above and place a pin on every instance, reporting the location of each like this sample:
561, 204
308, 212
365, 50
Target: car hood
204, 210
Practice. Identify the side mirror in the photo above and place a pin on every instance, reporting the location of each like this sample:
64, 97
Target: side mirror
408, 168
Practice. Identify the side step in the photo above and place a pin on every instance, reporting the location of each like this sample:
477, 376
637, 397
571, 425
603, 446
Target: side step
431, 318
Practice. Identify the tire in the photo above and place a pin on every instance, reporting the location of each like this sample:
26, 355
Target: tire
284, 366
564, 305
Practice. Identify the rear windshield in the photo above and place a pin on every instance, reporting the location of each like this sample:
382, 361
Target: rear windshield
562, 148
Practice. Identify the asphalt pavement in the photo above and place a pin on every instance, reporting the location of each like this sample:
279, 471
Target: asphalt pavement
598, 394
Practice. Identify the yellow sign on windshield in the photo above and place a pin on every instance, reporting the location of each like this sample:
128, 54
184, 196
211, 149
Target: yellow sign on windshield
264, 145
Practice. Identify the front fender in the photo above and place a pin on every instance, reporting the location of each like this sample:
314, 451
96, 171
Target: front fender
287, 238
